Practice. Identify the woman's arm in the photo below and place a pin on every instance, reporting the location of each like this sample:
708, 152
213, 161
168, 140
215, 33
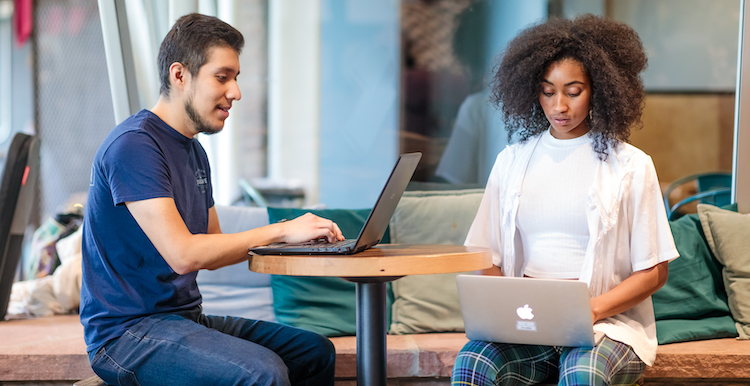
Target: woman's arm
492, 271
633, 290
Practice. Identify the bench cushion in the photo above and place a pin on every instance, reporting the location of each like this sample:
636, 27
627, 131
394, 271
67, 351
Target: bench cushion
692, 305
235, 290
326, 305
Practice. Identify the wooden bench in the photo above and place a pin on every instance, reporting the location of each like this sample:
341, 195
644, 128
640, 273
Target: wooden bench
52, 350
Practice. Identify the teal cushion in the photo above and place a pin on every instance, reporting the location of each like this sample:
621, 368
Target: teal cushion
326, 305
429, 303
692, 305
683, 330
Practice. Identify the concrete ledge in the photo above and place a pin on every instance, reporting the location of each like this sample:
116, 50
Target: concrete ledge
43, 349
52, 349
409, 356
725, 359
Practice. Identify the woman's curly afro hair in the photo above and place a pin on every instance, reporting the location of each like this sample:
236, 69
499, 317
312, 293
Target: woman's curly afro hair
610, 51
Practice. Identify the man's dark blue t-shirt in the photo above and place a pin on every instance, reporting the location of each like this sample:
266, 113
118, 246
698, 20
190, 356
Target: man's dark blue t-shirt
124, 276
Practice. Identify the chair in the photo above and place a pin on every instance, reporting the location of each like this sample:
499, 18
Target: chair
16, 200
718, 197
702, 184
270, 195
252, 195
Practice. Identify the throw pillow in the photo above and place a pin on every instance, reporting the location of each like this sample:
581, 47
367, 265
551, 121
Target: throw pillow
726, 233
429, 303
694, 292
326, 305
683, 330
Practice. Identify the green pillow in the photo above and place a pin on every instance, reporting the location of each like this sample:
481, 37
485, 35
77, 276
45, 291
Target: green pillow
694, 292
694, 288
326, 305
727, 235
683, 330
429, 303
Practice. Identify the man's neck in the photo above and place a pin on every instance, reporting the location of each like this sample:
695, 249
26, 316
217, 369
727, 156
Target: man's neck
174, 115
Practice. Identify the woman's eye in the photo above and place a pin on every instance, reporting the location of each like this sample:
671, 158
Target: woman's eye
221, 78
547, 94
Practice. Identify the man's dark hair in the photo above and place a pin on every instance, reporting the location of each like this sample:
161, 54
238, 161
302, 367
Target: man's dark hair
189, 41
610, 51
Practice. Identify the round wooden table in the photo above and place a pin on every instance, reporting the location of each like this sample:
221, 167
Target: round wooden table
370, 270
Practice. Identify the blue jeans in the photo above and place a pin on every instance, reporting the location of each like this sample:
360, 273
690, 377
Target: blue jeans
195, 349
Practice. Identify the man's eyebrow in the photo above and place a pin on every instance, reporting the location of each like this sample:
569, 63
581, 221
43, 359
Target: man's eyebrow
226, 69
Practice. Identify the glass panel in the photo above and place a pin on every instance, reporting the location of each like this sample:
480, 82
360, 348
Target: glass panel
359, 102
74, 105
688, 119
448, 49
16, 84
240, 152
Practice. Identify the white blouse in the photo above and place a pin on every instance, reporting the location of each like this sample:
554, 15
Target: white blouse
627, 223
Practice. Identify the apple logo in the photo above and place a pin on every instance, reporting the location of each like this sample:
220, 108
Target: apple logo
525, 312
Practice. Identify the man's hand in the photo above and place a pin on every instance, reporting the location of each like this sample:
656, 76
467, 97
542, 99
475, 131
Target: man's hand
186, 252
309, 227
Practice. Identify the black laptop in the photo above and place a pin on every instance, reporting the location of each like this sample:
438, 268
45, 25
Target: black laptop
373, 230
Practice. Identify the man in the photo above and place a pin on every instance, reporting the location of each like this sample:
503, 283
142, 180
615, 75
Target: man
150, 225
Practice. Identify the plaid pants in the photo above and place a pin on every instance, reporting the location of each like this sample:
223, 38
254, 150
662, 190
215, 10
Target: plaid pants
499, 364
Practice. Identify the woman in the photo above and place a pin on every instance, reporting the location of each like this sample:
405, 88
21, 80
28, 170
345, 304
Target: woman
573, 200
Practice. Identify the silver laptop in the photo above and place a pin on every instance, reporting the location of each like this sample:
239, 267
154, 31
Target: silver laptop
526, 311
374, 228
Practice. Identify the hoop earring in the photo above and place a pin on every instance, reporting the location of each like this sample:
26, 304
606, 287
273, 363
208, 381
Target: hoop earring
591, 113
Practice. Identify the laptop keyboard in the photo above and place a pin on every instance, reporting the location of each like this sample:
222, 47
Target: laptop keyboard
320, 244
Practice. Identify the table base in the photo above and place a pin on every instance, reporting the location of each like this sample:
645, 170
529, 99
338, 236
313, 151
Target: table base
371, 330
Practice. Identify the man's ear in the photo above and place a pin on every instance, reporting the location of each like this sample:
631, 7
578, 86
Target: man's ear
178, 75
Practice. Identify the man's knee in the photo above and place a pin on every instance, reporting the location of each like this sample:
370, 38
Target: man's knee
271, 372
325, 346
323, 352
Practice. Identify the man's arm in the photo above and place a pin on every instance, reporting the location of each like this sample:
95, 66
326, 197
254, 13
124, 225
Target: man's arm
186, 252
213, 222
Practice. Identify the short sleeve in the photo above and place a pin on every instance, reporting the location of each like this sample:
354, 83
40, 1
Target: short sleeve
136, 169
651, 237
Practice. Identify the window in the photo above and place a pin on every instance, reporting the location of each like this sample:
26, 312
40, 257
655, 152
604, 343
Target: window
449, 47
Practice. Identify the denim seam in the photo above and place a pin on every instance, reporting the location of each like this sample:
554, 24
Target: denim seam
111, 360
164, 341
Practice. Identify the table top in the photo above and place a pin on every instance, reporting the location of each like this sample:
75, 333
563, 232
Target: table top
380, 260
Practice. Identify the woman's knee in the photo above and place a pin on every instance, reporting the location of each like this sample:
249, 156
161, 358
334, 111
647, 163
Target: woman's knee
476, 364
610, 363
487, 363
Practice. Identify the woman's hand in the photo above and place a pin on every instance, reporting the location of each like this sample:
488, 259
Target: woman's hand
491, 271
